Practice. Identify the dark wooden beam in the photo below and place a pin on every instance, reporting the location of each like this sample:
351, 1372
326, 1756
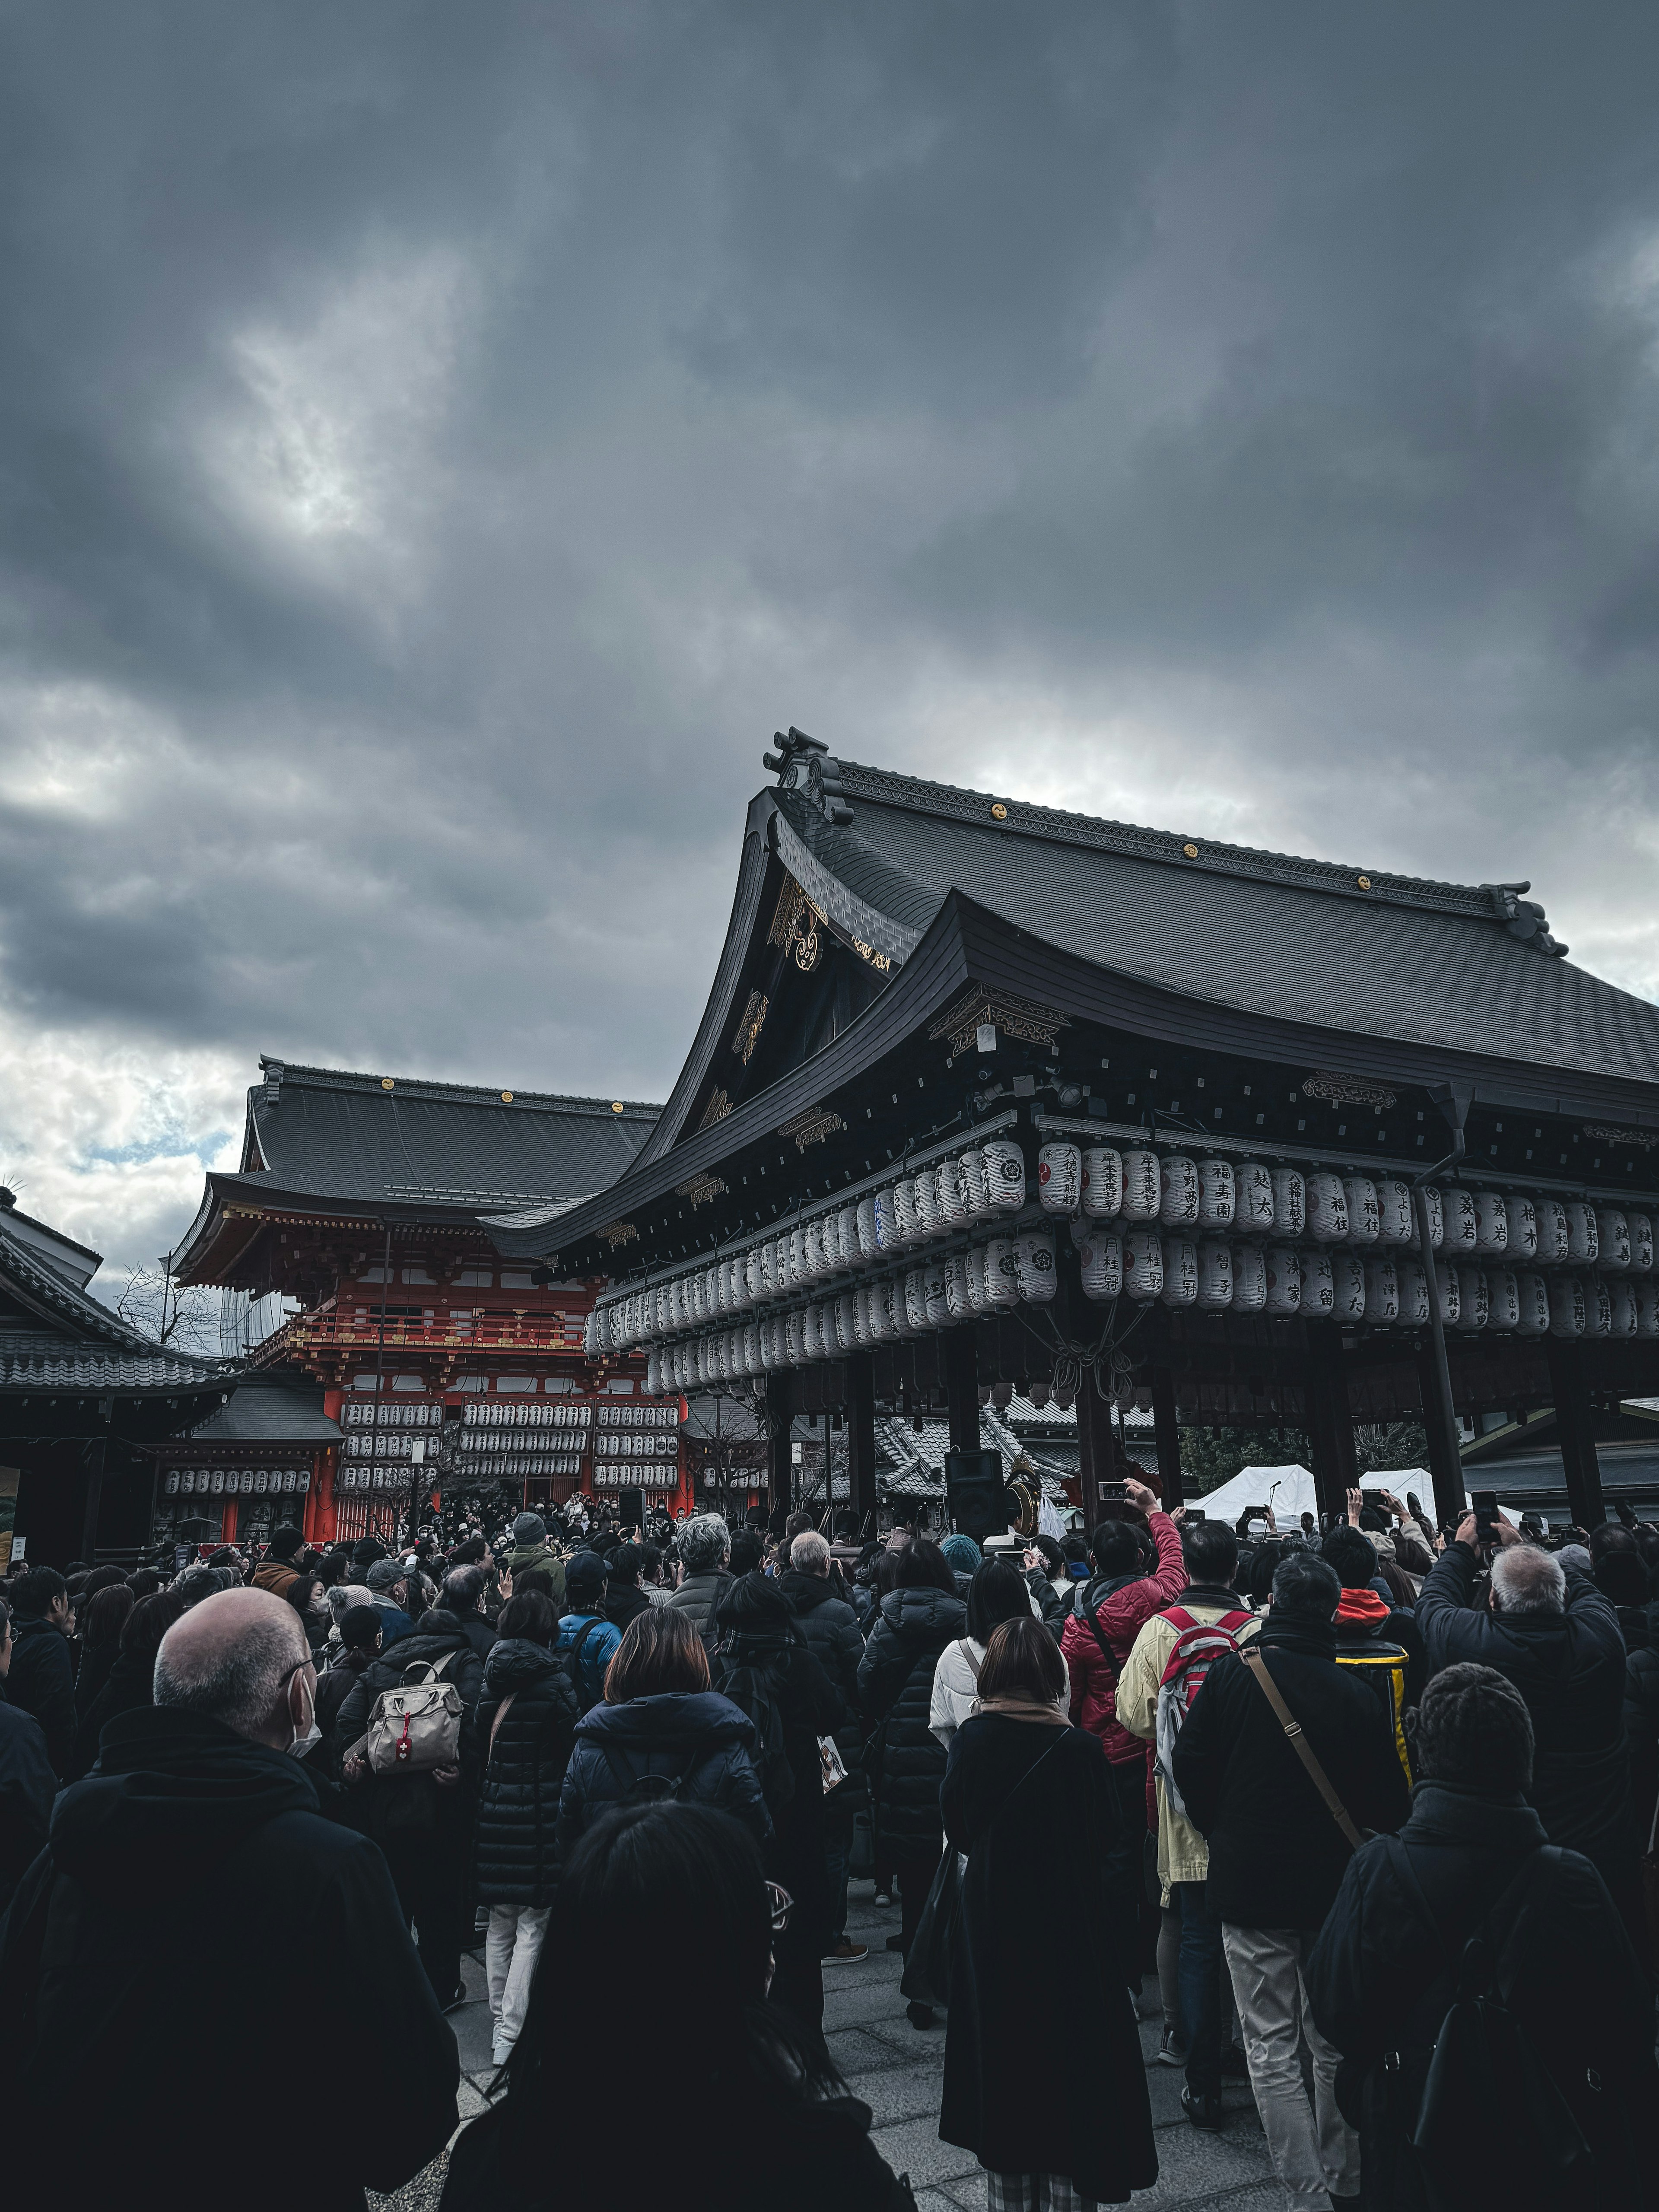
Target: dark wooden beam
962, 1388
1166, 1432
1330, 1425
780, 1468
1575, 1428
861, 1441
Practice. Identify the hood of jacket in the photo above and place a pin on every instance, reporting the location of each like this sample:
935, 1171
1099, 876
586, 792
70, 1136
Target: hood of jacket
526, 1556
1362, 1608
514, 1662
805, 1594
439, 1634
176, 1791
645, 1723
925, 1618
1314, 1639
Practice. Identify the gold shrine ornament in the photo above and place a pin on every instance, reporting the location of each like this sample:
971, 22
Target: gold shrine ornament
1191, 851
998, 812
1364, 882
507, 1097
387, 1083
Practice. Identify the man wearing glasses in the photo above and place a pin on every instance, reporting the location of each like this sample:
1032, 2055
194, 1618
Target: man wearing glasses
164, 1945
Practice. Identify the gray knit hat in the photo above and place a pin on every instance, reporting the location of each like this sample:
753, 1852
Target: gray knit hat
530, 1528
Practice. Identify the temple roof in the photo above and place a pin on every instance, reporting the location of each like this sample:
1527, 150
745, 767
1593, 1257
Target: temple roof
55, 1336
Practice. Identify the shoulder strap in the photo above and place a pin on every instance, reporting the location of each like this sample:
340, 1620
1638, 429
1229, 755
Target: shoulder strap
1179, 1619
1091, 1614
1257, 1666
495, 1725
974, 1665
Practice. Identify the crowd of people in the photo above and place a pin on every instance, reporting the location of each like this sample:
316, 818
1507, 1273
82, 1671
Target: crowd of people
1364, 1805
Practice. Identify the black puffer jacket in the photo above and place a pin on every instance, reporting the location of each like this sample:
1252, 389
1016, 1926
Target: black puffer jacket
895, 1687
698, 1741
833, 1636
385, 1805
518, 1798
131, 1685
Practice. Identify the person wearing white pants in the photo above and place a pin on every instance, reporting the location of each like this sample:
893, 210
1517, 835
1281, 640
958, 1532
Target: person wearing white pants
512, 1947
1315, 2154
527, 1717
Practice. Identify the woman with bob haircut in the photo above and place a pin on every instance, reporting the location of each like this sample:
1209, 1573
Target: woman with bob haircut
744, 2110
660, 1733
1060, 2096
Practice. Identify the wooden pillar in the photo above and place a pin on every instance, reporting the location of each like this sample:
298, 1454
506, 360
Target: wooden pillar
1574, 1426
861, 1441
1434, 1384
1166, 1433
1330, 1425
780, 1466
962, 1388
99, 1454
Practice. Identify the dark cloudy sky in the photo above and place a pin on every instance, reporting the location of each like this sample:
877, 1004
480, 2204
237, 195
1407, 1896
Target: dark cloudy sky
439, 444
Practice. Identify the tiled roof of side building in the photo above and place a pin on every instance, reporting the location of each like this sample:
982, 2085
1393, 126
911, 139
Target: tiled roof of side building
328, 1133
75, 1342
1447, 965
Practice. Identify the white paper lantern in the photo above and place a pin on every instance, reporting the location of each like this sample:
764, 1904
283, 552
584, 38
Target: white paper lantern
1582, 1243
1328, 1208
1289, 1202
884, 1310
956, 1286
1218, 1195
1394, 1224
1492, 1224
1413, 1293
1448, 1293
1143, 1188
905, 1228
1284, 1279
1598, 1306
1180, 1271
869, 1246
1533, 1295
1502, 1299
829, 1243
260, 1482
846, 1338
975, 1186
216, 1481
953, 1193
1647, 1308
1364, 1209
1554, 1235
1215, 1275
1521, 1221
1005, 1175
170, 1487
753, 1363
1431, 1200
1249, 1279
1001, 1274
794, 1339
930, 1204
863, 1336
938, 1310
1612, 1241
1348, 1274
1623, 1295
1102, 1182
1318, 1281
1036, 1272
1253, 1198
1472, 1300
1143, 1262
1100, 1258
1382, 1292
1177, 1203
915, 1302
887, 1223
1641, 1243
1060, 1178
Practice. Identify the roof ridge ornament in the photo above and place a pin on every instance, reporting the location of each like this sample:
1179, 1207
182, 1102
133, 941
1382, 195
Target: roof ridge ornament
803, 763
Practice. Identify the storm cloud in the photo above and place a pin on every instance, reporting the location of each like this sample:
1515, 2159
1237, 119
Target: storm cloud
439, 446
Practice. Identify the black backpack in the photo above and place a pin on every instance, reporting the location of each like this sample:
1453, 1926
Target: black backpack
1493, 2126
749, 1691
574, 1663
647, 1789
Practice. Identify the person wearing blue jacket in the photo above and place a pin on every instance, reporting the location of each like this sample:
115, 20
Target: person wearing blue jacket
661, 1733
585, 1637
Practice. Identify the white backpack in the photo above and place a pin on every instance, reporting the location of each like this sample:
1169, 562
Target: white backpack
416, 1726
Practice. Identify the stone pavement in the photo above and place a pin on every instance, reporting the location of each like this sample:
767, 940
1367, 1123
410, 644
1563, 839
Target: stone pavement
898, 2070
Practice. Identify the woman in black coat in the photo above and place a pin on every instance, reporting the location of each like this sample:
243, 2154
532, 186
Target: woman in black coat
1032, 2087
131, 1676
102, 1620
1379, 1979
766, 1662
919, 1617
527, 1718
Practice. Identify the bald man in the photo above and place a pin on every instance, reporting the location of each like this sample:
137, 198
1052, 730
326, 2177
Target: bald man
179, 1938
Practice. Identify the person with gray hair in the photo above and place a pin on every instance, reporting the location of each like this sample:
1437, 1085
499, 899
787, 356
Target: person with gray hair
1541, 1623
819, 1602
196, 1807
1472, 1860
705, 1547
388, 1589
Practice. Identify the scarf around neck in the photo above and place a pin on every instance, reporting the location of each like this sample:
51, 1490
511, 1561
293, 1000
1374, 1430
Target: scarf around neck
1014, 1707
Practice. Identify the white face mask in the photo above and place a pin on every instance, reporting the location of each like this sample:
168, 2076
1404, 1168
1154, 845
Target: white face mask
314, 1734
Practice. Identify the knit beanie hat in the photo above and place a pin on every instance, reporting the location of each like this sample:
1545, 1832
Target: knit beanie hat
530, 1528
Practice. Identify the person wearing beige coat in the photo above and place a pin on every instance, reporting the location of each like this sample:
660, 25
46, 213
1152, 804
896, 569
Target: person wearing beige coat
1211, 1549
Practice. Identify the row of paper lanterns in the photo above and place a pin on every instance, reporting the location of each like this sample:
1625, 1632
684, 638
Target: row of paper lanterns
232, 1481
1138, 1189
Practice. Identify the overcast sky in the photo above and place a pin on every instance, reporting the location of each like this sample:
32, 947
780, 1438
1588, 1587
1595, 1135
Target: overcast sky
439, 445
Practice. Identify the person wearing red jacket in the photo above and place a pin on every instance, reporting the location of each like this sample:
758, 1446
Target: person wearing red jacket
1110, 1613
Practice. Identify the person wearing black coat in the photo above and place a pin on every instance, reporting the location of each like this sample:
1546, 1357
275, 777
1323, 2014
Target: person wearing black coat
1033, 2088
1642, 1727
196, 1810
830, 1625
1277, 1855
422, 1822
359, 1647
765, 1659
42, 1677
1546, 1628
527, 1722
624, 1601
918, 1618
27, 1785
1380, 1978
129, 1688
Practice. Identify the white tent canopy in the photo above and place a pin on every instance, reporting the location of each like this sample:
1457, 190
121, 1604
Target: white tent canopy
1290, 1490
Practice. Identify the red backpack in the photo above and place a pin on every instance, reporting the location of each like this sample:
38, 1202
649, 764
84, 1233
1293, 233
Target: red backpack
1197, 1645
